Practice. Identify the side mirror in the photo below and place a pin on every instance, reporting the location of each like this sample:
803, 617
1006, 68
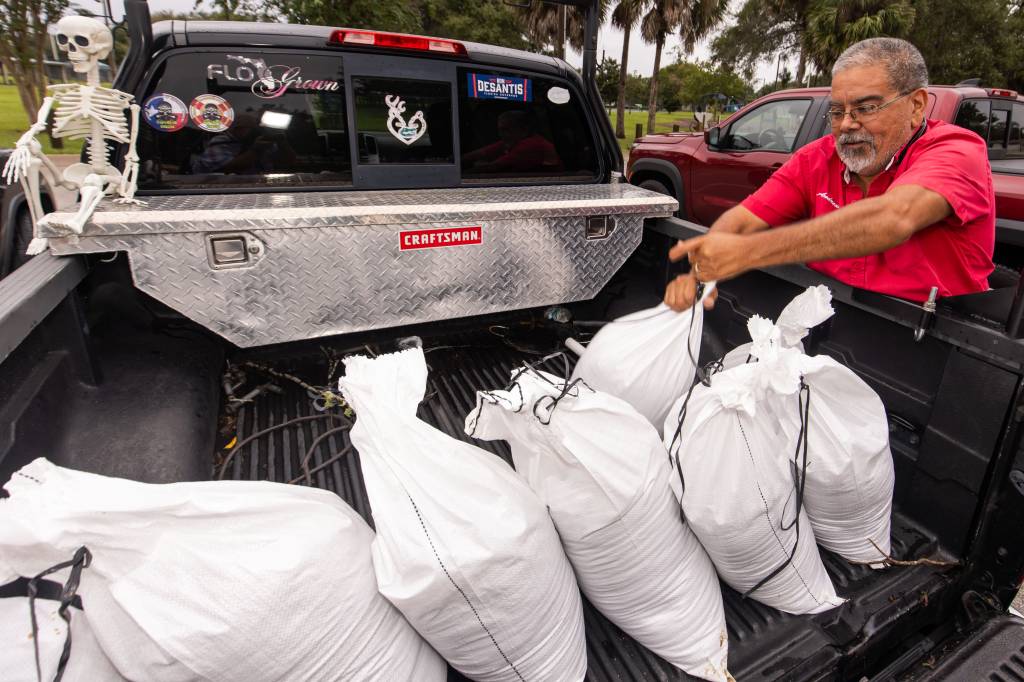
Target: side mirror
712, 135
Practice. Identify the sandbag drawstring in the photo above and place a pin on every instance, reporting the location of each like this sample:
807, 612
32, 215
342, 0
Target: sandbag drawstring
81, 559
799, 482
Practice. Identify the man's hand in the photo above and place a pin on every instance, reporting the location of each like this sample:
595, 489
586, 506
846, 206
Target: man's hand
715, 255
682, 292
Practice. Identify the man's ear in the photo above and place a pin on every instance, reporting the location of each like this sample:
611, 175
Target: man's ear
919, 99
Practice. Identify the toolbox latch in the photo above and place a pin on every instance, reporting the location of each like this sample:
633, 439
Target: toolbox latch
599, 226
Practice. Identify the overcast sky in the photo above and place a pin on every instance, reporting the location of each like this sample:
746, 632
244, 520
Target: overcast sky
641, 55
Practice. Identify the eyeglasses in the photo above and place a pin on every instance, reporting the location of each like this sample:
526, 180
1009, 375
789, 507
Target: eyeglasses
864, 112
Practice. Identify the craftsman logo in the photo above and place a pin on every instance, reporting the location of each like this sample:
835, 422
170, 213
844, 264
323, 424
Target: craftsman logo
446, 236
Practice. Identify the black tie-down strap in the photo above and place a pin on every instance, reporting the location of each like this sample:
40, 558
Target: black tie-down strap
39, 588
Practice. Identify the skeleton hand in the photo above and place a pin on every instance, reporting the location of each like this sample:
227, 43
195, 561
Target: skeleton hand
128, 180
18, 163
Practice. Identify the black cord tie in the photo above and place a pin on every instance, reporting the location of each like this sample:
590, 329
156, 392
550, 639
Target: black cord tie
81, 559
799, 483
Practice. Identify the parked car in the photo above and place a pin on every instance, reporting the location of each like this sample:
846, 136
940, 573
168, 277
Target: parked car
191, 338
713, 171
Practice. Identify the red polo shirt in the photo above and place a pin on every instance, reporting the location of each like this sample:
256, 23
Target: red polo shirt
954, 254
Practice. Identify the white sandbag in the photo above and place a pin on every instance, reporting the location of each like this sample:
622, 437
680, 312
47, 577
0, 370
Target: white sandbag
219, 580
86, 663
808, 309
602, 470
735, 478
647, 358
464, 548
850, 480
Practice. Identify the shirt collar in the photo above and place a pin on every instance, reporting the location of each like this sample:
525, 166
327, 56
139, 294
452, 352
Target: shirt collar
897, 158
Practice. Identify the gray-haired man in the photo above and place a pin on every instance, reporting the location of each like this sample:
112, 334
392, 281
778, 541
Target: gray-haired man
889, 202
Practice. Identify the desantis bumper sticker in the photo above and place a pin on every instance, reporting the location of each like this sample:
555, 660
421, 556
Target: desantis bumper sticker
445, 236
499, 87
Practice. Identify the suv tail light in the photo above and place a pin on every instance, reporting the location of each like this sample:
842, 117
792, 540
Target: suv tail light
1002, 93
399, 41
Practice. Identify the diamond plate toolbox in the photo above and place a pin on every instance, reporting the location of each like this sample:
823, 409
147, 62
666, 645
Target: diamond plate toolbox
260, 269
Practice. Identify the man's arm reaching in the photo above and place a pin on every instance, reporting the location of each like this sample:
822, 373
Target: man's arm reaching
862, 228
680, 293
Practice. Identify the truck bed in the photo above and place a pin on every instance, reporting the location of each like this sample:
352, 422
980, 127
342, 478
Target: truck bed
765, 644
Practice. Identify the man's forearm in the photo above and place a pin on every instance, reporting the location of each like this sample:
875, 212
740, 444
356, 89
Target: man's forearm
738, 220
860, 229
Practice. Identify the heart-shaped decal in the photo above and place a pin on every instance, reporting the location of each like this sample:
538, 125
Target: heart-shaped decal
404, 131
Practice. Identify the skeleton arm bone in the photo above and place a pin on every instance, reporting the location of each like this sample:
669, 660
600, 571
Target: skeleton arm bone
40, 125
131, 166
27, 146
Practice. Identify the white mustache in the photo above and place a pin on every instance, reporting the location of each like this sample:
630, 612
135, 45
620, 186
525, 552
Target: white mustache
848, 138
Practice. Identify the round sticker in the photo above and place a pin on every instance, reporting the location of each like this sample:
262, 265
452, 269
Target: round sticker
165, 112
558, 95
211, 113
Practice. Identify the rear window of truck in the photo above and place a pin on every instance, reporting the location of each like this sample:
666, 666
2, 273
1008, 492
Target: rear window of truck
217, 120
220, 120
517, 127
414, 127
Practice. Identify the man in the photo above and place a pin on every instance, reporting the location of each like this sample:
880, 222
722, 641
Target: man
518, 150
889, 202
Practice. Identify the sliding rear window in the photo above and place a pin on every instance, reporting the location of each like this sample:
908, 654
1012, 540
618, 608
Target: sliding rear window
240, 119
518, 127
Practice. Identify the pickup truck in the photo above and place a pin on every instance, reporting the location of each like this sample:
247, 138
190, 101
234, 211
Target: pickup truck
194, 338
713, 171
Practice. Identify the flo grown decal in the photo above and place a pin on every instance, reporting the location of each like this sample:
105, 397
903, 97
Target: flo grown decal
404, 131
483, 86
268, 81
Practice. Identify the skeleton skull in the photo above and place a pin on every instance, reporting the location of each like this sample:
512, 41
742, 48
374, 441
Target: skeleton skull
86, 40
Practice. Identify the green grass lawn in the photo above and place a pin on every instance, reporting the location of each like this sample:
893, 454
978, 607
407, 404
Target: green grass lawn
14, 122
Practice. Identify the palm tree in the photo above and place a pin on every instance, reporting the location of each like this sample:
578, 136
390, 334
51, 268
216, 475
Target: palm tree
625, 16
763, 29
703, 18
834, 25
556, 25
664, 17
694, 20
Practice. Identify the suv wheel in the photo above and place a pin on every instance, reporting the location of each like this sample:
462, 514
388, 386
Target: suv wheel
655, 186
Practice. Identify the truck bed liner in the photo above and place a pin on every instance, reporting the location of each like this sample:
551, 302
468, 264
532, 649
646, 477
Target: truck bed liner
764, 643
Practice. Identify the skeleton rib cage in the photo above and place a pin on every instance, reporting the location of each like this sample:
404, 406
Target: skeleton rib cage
77, 106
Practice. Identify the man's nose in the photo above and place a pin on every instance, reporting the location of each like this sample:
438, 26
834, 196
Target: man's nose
848, 123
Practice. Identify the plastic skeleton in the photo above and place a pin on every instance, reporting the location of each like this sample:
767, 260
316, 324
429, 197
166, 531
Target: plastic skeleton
80, 111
